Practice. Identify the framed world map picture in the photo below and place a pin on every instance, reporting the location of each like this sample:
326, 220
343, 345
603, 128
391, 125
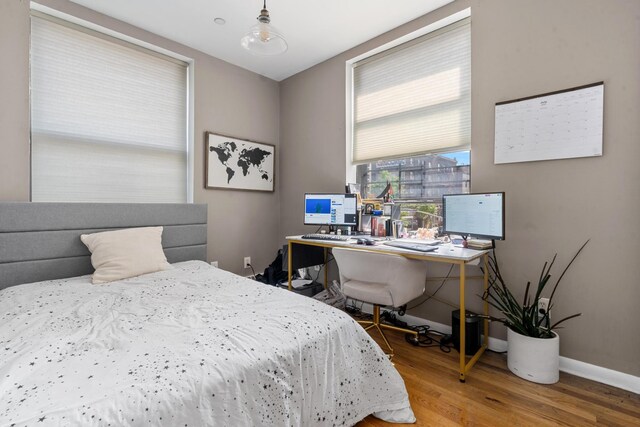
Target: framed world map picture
239, 164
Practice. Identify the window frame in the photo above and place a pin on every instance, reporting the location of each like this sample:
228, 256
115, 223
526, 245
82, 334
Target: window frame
90, 28
350, 166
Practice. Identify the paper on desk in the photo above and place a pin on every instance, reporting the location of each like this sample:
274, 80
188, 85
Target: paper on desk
299, 283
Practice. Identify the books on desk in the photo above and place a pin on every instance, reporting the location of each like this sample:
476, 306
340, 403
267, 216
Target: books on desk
384, 226
479, 244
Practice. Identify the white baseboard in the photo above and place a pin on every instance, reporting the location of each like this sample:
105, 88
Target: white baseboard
571, 366
602, 375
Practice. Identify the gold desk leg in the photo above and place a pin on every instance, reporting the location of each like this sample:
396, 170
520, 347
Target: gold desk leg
486, 301
463, 345
326, 268
485, 340
290, 264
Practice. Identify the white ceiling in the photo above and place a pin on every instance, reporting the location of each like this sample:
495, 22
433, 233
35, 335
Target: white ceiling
315, 31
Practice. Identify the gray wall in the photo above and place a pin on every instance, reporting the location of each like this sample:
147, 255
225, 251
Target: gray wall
14, 108
519, 48
228, 100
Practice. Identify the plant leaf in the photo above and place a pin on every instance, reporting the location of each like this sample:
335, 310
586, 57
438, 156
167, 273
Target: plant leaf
566, 268
526, 294
523, 318
555, 325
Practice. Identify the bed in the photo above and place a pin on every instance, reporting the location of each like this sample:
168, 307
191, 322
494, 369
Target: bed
193, 345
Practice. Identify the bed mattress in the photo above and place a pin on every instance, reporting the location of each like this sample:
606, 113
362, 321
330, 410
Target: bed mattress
190, 346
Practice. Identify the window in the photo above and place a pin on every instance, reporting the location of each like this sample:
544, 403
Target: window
108, 119
418, 183
411, 122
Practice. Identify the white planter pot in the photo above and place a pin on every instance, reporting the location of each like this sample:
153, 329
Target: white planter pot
534, 359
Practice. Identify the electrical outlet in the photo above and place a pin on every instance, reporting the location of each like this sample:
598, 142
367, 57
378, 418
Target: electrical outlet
247, 261
214, 263
543, 305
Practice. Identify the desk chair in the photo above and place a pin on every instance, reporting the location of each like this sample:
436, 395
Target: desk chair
381, 280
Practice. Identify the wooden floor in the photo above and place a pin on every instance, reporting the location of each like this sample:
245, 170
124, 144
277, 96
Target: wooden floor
492, 396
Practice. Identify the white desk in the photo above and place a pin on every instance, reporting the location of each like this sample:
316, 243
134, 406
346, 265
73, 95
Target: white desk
446, 253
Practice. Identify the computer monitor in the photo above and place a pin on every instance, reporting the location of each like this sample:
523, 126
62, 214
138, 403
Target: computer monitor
329, 209
477, 215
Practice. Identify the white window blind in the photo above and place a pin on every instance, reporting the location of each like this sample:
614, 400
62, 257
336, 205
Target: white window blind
108, 120
414, 98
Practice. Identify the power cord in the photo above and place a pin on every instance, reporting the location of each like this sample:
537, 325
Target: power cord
356, 311
252, 270
331, 258
426, 336
444, 281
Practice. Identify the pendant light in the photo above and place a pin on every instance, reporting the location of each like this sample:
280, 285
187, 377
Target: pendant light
263, 39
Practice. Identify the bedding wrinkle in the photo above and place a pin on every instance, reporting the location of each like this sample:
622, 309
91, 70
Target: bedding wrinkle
193, 345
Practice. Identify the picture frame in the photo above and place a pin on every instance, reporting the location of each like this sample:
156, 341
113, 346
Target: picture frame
238, 164
353, 188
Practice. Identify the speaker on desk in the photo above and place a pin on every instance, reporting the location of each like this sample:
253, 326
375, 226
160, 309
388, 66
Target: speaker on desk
472, 331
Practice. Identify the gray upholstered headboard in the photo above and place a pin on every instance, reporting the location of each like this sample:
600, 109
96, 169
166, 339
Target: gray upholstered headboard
41, 241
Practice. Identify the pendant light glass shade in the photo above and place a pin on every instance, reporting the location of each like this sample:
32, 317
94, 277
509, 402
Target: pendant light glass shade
263, 39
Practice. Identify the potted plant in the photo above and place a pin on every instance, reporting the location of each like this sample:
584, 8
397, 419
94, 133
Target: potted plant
533, 345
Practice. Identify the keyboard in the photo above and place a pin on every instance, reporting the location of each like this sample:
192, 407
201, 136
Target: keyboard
420, 247
334, 237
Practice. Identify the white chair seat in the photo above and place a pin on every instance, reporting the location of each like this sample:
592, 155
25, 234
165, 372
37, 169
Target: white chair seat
374, 293
382, 280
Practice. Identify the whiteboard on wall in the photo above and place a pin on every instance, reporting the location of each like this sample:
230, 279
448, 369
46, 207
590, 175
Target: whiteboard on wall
559, 125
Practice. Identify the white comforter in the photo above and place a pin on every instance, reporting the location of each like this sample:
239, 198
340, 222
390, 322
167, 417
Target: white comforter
191, 346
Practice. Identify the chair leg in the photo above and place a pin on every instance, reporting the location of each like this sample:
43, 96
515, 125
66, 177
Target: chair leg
384, 337
399, 329
366, 324
377, 324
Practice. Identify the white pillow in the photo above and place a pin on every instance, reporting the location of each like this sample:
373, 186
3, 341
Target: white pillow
125, 253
